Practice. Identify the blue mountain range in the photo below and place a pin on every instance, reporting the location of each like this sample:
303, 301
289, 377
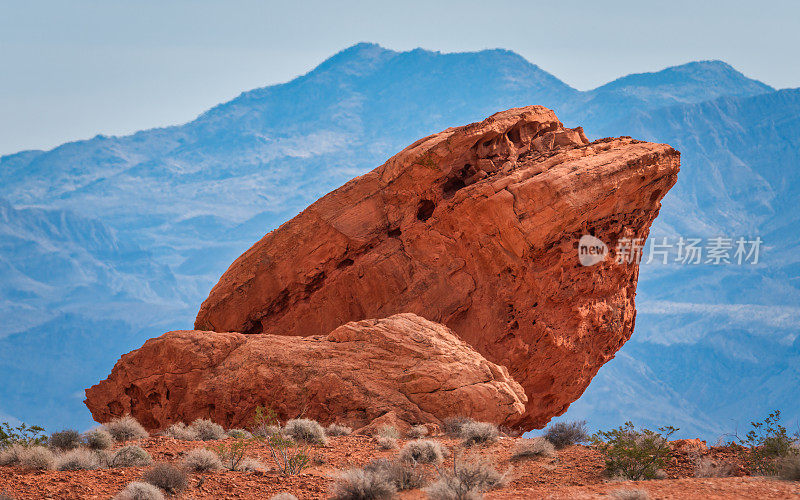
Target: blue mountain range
109, 241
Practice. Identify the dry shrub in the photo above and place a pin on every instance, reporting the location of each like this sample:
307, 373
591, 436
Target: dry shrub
206, 430
68, 439
11, 455
38, 458
305, 430
404, 475
98, 439
388, 431
80, 459
140, 491
452, 425
625, 494
423, 451
563, 434
167, 477
5, 496
418, 431
789, 468
240, 434
338, 430
710, 468
283, 496
125, 429
535, 447
479, 433
181, 432
202, 460
468, 480
361, 484
386, 443
250, 464
130, 456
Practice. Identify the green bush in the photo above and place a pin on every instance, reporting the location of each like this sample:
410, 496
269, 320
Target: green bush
766, 443
634, 454
22, 435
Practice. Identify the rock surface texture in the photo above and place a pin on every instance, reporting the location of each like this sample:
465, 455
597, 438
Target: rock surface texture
404, 367
476, 228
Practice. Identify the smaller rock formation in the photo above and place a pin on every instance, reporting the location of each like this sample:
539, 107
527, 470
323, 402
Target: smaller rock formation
404, 365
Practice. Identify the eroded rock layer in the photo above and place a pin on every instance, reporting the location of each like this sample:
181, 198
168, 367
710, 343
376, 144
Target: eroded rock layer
404, 367
475, 227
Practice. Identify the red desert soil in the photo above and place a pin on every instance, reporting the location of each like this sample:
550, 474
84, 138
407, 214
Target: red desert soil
575, 474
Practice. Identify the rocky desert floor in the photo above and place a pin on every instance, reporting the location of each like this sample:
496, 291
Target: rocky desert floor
575, 473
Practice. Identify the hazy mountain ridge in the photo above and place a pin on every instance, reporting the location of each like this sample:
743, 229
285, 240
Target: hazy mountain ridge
195, 196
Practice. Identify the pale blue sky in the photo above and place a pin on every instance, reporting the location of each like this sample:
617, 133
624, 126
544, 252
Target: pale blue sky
70, 69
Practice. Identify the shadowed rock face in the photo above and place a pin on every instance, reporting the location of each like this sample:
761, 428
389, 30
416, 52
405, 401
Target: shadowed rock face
405, 366
477, 228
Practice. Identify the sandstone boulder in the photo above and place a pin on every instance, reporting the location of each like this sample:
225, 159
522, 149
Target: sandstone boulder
477, 228
404, 366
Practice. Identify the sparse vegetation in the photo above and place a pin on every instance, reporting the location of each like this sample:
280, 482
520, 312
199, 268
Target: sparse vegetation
479, 433
338, 430
627, 494
232, 454
250, 464
423, 451
78, 459
140, 491
65, 440
289, 457
181, 432
766, 444
452, 425
388, 431
98, 439
305, 430
206, 430
130, 456
386, 443
404, 475
710, 468
37, 457
240, 434
21, 435
634, 454
563, 434
467, 480
417, 432
265, 423
789, 468
12, 454
362, 484
534, 447
167, 477
125, 429
202, 460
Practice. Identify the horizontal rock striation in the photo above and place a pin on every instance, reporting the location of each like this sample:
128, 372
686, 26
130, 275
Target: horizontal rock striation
404, 367
476, 228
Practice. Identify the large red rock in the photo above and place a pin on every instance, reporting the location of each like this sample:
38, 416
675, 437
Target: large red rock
403, 368
475, 227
